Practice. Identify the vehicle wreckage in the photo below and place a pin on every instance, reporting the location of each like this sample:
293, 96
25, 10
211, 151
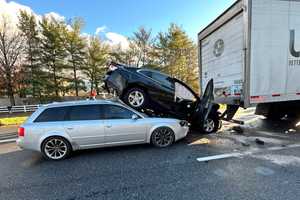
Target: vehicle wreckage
157, 94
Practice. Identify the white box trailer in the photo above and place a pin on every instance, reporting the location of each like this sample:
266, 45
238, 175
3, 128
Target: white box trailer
252, 52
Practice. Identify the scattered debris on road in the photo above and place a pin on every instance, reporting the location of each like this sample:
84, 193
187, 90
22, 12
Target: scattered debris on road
259, 141
238, 129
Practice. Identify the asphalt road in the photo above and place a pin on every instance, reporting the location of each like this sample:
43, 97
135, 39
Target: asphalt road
144, 172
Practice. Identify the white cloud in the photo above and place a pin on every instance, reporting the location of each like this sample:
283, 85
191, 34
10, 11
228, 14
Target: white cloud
100, 29
55, 16
115, 39
11, 10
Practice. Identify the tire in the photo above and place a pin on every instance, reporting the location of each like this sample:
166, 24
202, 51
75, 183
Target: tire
58, 144
211, 125
162, 137
135, 98
274, 116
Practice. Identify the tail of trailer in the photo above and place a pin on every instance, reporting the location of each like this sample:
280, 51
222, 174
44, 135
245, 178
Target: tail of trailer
252, 52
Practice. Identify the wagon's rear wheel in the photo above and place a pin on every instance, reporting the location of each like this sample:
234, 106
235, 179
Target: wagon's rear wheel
56, 148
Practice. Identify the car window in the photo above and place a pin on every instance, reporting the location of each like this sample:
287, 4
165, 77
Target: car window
182, 92
146, 73
84, 112
117, 112
52, 114
161, 78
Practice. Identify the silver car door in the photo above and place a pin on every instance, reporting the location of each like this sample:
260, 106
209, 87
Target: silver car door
121, 127
85, 126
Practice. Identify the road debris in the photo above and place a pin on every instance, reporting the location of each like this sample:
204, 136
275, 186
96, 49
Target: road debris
259, 141
238, 129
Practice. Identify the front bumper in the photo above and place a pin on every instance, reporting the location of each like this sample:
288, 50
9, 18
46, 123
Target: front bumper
183, 132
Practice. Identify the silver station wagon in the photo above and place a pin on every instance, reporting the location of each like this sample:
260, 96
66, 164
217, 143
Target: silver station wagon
57, 129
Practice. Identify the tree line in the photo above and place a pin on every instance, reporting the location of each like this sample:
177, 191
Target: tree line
49, 58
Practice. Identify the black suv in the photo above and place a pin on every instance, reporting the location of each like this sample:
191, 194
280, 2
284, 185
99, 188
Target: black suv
155, 93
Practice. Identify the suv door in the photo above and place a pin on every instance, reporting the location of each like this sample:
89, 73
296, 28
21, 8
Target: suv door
120, 127
161, 90
206, 103
85, 125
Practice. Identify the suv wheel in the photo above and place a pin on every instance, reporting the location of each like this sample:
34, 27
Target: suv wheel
136, 98
56, 148
211, 125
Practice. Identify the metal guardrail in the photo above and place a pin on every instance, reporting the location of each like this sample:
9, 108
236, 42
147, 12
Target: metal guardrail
18, 109
32, 108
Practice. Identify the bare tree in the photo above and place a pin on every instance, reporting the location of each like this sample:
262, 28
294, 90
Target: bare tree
10, 50
142, 41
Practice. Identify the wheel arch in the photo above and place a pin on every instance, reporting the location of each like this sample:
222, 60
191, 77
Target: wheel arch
133, 85
56, 134
150, 132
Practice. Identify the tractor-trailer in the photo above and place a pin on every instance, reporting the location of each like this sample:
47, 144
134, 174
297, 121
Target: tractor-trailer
252, 53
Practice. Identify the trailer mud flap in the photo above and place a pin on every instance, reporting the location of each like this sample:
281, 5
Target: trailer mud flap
229, 114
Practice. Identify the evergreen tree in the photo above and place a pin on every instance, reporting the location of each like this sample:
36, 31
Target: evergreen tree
177, 55
75, 46
97, 55
53, 53
32, 68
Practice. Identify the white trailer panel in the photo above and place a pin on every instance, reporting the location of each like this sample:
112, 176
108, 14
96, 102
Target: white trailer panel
272, 79
224, 48
260, 62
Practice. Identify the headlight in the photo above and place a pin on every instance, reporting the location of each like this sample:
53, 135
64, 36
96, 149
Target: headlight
183, 123
112, 68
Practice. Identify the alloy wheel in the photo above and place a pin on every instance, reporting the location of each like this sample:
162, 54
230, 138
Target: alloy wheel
55, 148
209, 125
136, 98
163, 137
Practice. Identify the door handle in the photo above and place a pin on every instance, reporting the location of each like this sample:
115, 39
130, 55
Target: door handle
70, 128
108, 126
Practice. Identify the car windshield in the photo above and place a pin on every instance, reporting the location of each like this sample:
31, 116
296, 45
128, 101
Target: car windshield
183, 93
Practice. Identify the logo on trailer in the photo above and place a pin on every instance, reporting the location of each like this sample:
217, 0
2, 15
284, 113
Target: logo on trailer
293, 51
219, 47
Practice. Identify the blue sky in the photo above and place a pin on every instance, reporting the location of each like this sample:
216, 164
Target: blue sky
125, 16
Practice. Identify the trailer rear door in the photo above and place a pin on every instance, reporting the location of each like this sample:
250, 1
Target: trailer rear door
222, 59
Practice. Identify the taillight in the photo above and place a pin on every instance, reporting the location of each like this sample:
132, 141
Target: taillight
184, 123
21, 131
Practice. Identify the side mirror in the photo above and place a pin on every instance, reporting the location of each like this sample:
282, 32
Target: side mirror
134, 117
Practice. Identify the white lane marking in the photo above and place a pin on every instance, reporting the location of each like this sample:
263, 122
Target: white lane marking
240, 154
293, 145
264, 171
7, 141
217, 157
